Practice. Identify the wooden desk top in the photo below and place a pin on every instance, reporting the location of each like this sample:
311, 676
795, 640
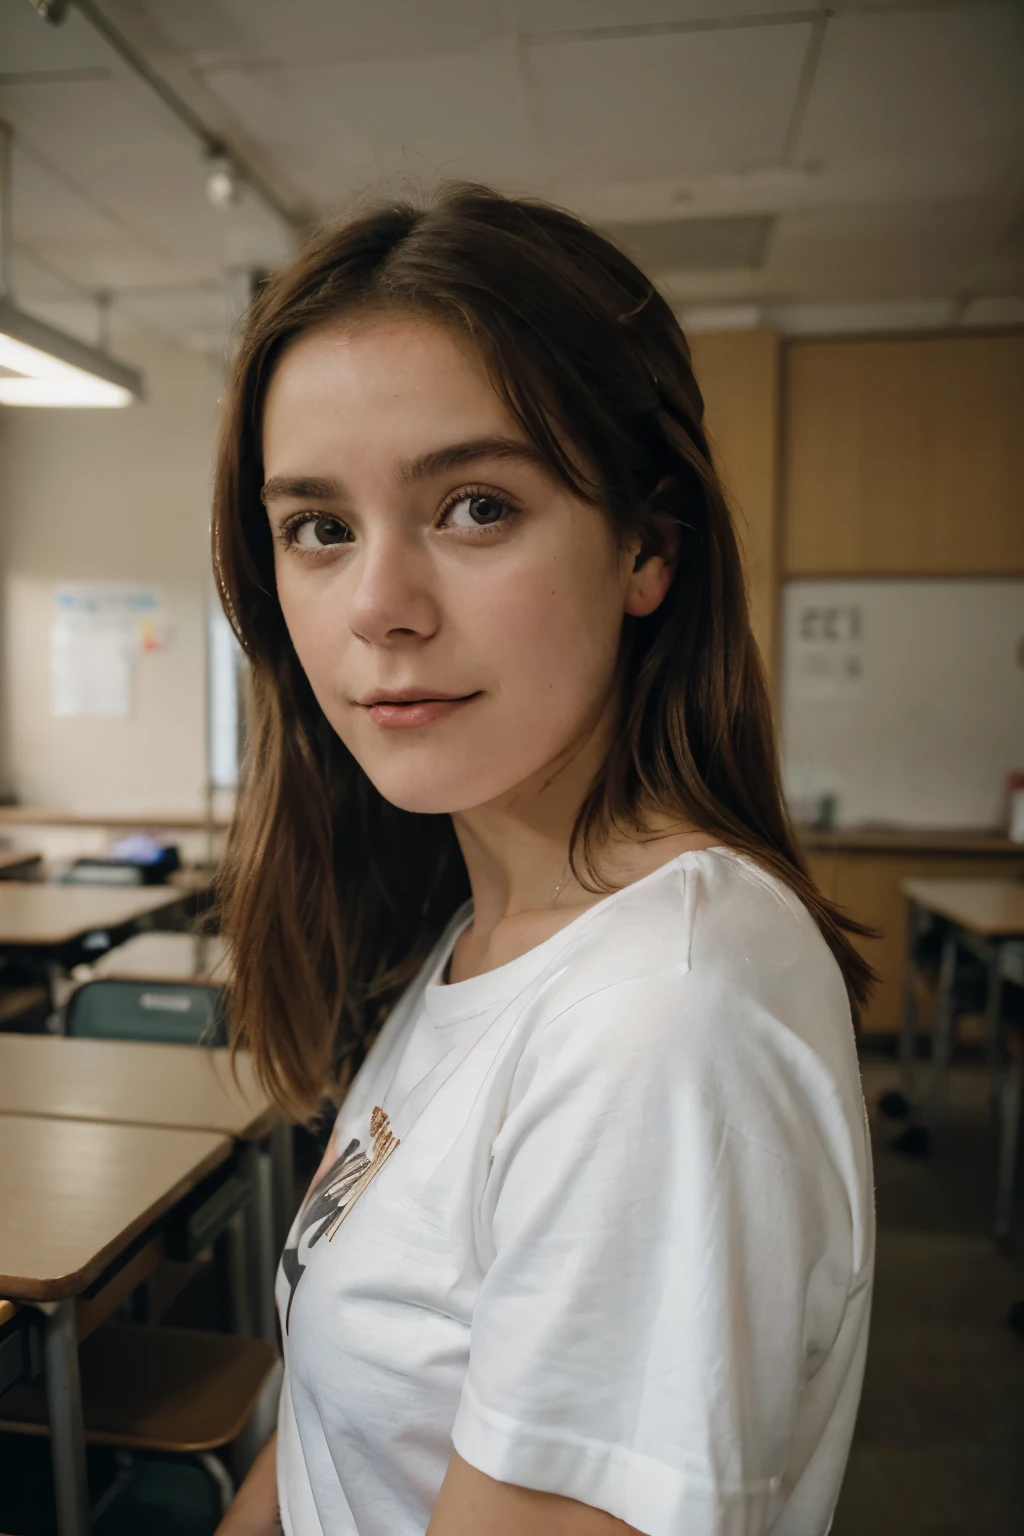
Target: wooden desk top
46, 916
992, 908
18, 858
132, 1082
74, 1194
167, 957
166, 821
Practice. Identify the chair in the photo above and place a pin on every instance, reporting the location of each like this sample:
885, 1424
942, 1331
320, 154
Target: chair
125, 1008
175, 1391
102, 872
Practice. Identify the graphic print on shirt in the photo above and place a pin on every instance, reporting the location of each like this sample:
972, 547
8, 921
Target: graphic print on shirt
333, 1196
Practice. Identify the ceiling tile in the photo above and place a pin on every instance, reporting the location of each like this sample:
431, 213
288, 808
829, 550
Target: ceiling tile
45, 207
341, 127
918, 251
657, 245
649, 106
193, 317
215, 32
928, 81
540, 16
124, 159
29, 45
904, 184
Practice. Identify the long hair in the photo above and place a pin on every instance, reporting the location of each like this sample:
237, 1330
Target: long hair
332, 896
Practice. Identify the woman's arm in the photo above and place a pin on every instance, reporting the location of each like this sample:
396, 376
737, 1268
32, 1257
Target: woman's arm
254, 1511
471, 1502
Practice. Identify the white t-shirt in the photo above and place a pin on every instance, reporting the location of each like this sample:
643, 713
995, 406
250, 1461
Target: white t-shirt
613, 1234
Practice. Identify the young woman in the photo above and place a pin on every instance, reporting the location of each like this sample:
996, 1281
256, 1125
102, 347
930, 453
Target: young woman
591, 1247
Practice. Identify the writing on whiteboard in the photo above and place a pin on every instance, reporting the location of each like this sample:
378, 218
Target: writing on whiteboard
828, 653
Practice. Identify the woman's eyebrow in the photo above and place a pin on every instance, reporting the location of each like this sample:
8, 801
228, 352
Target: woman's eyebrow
407, 471
424, 465
280, 486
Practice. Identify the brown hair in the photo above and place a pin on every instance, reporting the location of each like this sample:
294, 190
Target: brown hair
332, 896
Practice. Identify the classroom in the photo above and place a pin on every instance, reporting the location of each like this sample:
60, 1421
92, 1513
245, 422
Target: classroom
511, 767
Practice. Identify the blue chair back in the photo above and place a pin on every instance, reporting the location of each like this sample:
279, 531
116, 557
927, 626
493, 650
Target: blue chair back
103, 872
116, 1008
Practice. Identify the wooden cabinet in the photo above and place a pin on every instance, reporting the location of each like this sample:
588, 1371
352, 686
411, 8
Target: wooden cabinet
902, 457
738, 372
867, 885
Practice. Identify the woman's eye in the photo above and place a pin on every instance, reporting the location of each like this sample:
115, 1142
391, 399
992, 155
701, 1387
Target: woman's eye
319, 532
475, 512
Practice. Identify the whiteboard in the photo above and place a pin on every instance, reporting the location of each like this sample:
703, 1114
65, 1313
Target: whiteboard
903, 699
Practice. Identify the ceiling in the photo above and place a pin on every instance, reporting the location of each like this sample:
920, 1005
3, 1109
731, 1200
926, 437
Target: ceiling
748, 151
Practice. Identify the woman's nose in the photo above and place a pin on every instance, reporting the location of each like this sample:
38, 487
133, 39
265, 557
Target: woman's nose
393, 599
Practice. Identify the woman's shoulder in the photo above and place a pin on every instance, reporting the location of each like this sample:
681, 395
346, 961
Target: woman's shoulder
712, 973
714, 917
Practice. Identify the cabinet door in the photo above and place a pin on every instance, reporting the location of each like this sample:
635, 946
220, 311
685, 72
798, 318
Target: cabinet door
738, 373
902, 457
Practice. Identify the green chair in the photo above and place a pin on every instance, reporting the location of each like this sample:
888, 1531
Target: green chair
102, 872
180, 1013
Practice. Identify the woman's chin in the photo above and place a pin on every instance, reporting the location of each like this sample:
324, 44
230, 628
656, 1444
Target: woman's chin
438, 790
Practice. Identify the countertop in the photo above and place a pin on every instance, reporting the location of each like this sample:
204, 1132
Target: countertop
908, 840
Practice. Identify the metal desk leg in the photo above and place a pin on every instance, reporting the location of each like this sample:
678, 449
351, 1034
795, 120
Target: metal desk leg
67, 1430
1009, 1140
56, 1018
282, 1151
1011, 1088
236, 1260
264, 1247
994, 1043
908, 1027
942, 1046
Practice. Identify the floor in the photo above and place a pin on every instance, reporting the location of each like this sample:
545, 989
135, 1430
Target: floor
939, 1445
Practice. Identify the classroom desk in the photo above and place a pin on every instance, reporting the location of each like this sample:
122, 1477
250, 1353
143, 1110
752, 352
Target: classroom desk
34, 916
988, 909
17, 864
81, 1203
17, 1362
181, 1086
135, 1082
57, 925
173, 957
986, 917
159, 821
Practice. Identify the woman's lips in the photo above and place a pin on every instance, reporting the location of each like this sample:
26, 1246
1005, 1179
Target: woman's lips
413, 712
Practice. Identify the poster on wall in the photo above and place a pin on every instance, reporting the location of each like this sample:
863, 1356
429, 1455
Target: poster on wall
97, 632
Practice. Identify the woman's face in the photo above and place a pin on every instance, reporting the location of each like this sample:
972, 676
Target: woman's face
456, 609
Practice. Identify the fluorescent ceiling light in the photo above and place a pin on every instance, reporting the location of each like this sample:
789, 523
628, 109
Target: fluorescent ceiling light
43, 366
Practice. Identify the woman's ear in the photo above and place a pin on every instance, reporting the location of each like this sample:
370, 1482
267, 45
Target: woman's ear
654, 557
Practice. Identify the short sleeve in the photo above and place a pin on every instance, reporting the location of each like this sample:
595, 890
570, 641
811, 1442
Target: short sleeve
667, 1254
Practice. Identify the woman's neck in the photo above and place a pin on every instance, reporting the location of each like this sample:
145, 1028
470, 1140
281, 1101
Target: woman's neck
517, 858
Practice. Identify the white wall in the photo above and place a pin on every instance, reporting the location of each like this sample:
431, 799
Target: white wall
904, 699
109, 496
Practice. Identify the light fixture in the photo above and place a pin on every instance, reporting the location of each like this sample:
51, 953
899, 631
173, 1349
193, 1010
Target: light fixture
223, 183
38, 364
53, 11
43, 366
